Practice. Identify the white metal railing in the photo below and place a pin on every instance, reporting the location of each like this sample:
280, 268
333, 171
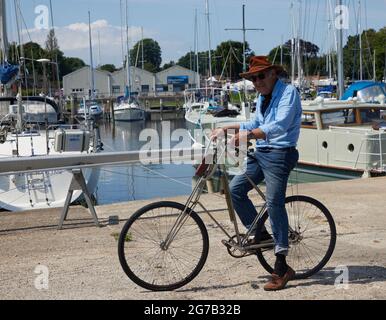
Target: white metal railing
68, 162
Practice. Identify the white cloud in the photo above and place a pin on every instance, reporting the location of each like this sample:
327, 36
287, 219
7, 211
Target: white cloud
73, 40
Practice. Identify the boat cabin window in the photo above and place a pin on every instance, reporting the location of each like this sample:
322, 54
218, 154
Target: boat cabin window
14, 109
308, 120
338, 118
370, 115
370, 94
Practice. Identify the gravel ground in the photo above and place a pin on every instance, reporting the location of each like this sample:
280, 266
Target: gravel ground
82, 261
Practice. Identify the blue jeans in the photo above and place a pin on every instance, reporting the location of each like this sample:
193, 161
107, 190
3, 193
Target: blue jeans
274, 166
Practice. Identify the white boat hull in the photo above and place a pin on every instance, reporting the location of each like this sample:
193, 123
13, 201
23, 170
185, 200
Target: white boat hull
20, 192
129, 115
41, 190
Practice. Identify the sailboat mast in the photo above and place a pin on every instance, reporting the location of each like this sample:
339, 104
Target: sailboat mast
209, 42
299, 46
3, 34
92, 82
128, 60
293, 61
374, 67
340, 53
142, 50
244, 30
56, 61
384, 68
197, 75
360, 41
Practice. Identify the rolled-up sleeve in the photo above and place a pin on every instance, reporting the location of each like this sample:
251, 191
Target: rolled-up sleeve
285, 115
254, 123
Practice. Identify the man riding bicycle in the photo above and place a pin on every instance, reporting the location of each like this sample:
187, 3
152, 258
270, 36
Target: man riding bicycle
276, 128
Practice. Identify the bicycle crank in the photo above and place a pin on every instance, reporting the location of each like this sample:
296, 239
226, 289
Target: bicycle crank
234, 249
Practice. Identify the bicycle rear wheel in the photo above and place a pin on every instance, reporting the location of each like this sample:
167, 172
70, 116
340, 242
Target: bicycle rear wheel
145, 259
312, 237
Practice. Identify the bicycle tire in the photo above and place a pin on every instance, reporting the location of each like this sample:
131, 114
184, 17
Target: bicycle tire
267, 257
132, 257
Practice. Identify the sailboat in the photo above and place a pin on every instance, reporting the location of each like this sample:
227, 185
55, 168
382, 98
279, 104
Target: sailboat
90, 107
20, 138
210, 107
127, 107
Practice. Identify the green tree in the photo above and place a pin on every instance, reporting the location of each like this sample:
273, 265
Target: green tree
52, 46
371, 40
108, 67
311, 62
168, 65
189, 61
69, 65
228, 58
151, 55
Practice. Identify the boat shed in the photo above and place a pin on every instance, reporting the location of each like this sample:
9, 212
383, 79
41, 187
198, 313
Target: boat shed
141, 81
173, 80
78, 83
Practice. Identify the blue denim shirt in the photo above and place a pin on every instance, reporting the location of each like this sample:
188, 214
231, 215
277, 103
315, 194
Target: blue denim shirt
282, 120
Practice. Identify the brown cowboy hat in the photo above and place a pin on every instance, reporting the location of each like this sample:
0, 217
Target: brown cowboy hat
259, 64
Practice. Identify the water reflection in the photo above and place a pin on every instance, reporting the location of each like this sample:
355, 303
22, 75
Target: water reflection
137, 182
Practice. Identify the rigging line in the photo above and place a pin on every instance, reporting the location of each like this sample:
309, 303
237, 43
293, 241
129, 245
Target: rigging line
316, 19
274, 58
166, 177
139, 176
308, 19
13, 189
179, 182
305, 19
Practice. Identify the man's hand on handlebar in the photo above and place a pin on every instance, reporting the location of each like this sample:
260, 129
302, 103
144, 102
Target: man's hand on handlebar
217, 134
239, 138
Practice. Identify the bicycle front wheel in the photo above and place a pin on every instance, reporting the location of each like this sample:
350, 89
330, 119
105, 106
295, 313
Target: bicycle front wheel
312, 237
143, 254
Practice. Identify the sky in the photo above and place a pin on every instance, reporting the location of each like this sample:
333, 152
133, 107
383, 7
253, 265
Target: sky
171, 24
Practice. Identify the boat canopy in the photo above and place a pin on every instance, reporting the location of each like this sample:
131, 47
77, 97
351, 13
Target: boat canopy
366, 91
7, 72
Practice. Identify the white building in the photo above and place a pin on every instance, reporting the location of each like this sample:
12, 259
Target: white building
78, 83
141, 81
173, 80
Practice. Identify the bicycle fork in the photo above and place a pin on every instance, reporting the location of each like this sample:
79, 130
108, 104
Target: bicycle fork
190, 204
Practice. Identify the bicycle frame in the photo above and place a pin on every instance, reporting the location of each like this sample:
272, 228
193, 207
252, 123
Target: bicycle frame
194, 201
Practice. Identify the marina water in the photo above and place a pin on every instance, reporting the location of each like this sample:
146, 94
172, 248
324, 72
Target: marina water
138, 182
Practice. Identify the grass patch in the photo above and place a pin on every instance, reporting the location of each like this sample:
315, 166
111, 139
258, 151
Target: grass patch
128, 237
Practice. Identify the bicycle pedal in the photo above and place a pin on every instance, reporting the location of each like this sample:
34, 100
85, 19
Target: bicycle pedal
226, 243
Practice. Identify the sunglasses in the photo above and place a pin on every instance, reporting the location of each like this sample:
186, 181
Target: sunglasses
260, 76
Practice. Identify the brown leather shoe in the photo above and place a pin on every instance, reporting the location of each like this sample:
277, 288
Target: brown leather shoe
277, 283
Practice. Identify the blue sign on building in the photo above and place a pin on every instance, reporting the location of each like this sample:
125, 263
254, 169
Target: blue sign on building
178, 80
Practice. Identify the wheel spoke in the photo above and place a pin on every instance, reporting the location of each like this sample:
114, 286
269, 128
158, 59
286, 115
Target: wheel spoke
313, 234
144, 258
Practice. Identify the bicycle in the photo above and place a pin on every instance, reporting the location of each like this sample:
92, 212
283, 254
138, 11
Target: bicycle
164, 245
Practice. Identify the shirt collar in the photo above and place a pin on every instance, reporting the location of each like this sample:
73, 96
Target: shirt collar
276, 88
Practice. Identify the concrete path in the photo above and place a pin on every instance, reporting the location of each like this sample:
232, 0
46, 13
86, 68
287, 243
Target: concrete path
82, 260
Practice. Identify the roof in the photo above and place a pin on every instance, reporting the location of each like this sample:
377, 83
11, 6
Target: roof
318, 105
87, 69
176, 66
360, 85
